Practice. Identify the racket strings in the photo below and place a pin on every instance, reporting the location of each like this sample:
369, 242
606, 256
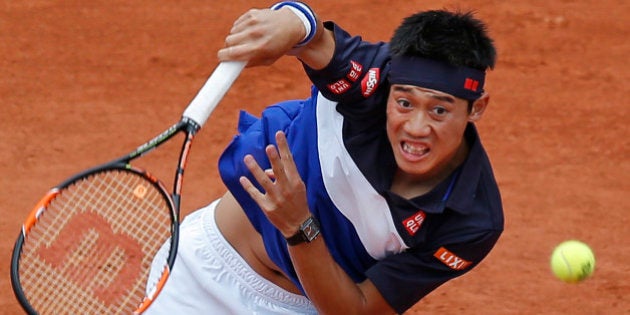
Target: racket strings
92, 248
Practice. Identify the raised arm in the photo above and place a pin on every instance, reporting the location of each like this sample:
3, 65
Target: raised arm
262, 36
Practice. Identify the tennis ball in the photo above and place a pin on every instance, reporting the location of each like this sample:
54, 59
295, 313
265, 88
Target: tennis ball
572, 261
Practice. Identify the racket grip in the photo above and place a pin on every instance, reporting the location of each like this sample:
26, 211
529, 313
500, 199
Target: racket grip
213, 91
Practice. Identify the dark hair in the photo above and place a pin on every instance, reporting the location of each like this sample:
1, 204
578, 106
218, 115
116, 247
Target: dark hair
456, 38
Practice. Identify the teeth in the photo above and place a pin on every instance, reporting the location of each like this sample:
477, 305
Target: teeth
414, 149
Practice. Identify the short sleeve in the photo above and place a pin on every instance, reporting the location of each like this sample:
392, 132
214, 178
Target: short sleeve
403, 279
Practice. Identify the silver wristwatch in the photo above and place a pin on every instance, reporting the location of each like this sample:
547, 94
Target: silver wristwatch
309, 230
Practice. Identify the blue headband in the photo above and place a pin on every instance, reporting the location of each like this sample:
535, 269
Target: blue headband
462, 82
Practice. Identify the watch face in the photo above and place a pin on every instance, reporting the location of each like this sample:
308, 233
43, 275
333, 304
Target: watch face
310, 229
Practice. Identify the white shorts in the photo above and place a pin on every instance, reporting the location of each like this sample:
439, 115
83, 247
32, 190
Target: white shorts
210, 277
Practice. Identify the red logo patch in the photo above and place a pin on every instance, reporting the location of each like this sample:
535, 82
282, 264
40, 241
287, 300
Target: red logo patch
355, 71
471, 84
413, 223
451, 260
370, 82
339, 87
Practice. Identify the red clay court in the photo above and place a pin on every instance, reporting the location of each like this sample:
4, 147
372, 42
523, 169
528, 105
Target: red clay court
83, 82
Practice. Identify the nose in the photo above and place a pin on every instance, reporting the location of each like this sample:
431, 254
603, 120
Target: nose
418, 124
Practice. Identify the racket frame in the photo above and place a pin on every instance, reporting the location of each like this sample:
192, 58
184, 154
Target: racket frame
185, 125
193, 118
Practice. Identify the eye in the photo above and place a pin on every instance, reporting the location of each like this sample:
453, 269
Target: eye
439, 111
403, 103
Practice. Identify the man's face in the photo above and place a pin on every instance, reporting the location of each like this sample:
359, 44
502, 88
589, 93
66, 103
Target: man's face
425, 128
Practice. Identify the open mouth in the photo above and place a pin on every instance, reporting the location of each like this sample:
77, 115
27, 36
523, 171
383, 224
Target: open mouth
415, 150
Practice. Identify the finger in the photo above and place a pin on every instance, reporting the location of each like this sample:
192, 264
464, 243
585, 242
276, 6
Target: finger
277, 165
244, 47
270, 173
285, 154
238, 46
244, 20
265, 182
253, 192
239, 43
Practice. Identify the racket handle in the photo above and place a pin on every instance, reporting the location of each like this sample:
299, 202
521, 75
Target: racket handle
213, 91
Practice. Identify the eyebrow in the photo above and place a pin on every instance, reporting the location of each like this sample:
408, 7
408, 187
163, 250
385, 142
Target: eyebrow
407, 89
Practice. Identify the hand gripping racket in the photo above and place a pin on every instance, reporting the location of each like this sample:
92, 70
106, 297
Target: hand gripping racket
88, 245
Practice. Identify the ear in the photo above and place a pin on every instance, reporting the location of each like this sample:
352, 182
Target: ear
479, 106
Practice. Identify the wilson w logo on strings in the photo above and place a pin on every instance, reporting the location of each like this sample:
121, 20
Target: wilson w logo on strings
88, 243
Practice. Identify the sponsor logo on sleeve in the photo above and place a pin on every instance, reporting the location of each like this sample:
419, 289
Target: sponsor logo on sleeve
451, 260
355, 71
370, 82
339, 87
413, 223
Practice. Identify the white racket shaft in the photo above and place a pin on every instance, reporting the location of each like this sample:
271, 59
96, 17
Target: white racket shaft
213, 91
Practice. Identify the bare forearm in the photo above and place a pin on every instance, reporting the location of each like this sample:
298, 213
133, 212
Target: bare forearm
329, 287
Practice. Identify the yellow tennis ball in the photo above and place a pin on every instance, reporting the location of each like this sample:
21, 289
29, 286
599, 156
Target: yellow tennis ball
572, 261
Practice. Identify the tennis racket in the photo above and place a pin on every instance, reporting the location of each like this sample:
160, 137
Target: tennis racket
88, 245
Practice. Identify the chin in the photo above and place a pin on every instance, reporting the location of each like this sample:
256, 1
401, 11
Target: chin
416, 169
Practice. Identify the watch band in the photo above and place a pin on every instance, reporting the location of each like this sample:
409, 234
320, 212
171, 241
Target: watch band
308, 231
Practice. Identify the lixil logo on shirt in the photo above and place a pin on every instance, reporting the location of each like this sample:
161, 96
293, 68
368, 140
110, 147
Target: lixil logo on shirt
451, 260
413, 223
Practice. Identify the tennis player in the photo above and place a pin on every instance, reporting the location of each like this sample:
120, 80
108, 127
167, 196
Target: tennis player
361, 199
